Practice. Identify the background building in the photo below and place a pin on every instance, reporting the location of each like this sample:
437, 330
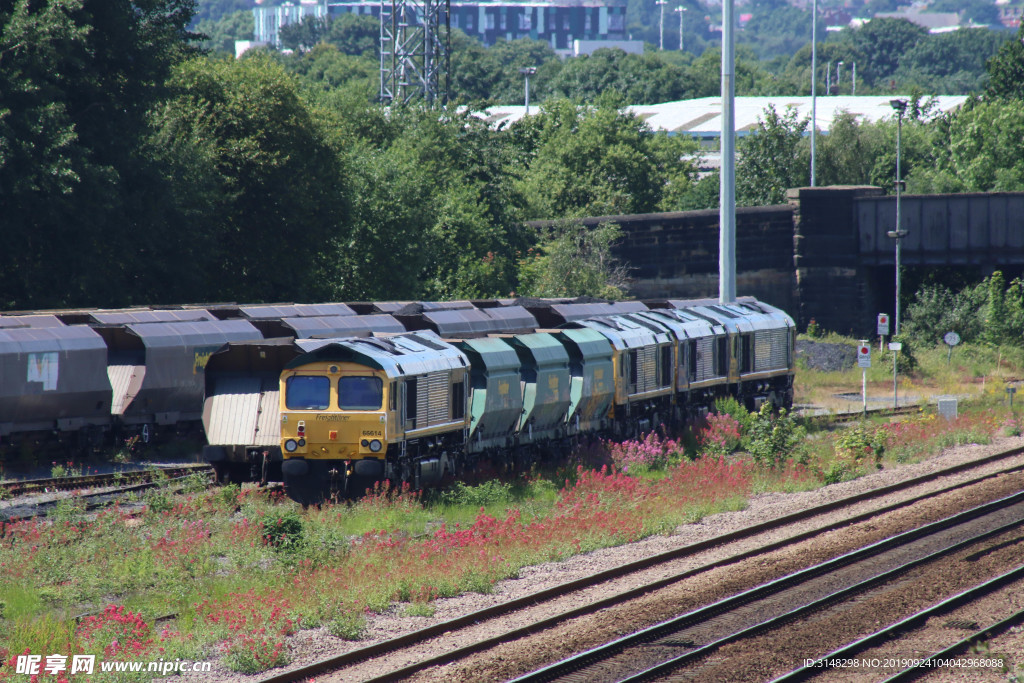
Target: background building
557, 22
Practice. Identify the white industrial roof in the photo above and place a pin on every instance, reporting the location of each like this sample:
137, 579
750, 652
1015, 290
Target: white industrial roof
703, 116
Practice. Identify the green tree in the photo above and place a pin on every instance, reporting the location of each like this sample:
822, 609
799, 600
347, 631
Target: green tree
996, 329
214, 10
981, 149
949, 63
274, 198
601, 160
574, 260
777, 29
640, 79
1006, 70
326, 69
76, 79
705, 74
302, 36
881, 44
436, 212
221, 34
772, 159
354, 34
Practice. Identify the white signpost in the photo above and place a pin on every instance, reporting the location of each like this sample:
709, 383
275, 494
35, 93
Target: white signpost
883, 329
895, 347
864, 361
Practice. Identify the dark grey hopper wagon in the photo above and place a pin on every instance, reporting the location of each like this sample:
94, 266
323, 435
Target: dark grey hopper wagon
52, 378
157, 369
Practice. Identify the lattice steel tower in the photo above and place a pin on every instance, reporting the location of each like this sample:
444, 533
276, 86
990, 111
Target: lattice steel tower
415, 50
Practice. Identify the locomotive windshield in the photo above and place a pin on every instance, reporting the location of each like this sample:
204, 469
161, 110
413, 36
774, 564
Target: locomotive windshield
360, 393
307, 392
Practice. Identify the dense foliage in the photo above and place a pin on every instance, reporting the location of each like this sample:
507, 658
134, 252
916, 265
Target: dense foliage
134, 169
991, 311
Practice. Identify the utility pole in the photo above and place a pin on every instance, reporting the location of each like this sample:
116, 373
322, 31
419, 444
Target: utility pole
900, 105
814, 81
528, 71
680, 10
727, 181
839, 74
661, 24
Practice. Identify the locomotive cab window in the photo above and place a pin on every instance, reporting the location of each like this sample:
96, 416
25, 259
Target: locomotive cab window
666, 365
307, 392
360, 393
458, 400
746, 353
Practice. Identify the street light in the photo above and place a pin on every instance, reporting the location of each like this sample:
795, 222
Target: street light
528, 71
839, 73
814, 81
680, 10
898, 234
661, 24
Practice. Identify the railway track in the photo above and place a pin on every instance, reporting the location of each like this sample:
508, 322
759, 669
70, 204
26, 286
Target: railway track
854, 415
22, 487
405, 647
688, 640
909, 668
97, 499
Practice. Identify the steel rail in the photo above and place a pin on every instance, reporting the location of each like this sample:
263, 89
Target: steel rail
608, 650
958, 648
406, 640
887, 633
18, 487
6, 520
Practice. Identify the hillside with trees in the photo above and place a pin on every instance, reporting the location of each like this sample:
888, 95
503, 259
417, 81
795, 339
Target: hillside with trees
137, 168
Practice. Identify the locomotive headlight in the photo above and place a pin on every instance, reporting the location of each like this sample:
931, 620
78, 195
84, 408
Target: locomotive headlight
290, 445
375, 445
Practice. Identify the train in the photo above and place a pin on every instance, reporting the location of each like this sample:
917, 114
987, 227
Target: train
329, 398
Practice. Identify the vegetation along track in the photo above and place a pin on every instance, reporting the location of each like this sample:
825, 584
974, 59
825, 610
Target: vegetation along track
404, 649
112, 490
22, 487
689, 639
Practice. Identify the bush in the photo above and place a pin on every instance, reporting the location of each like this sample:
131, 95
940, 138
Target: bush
771, 440
283, 530
722, 436
347, 626
487, 493
860, 446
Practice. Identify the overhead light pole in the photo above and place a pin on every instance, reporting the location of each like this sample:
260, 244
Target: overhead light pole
661, 24
814, 80
839, 73
900, 106
681, 10
528, 71
727, 180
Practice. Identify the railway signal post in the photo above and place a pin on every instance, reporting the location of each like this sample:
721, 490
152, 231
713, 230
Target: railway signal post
883, 330
864, 361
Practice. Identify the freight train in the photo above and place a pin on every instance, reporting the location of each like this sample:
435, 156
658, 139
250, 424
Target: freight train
333, 397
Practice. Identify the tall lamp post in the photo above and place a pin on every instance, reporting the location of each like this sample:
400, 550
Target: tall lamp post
839, 73
680, 10
814, 81
899, 233
528, 71
661, 24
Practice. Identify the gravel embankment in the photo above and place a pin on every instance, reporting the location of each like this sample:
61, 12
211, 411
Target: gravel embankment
315, 644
